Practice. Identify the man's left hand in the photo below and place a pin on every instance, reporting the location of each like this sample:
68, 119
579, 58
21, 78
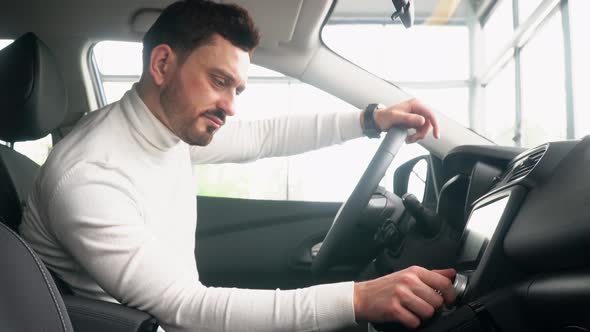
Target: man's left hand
408, 114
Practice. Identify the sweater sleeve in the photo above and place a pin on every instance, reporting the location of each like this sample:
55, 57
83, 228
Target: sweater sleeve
243, 141
96, 214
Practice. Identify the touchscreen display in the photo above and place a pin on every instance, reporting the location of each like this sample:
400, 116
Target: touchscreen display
479, 230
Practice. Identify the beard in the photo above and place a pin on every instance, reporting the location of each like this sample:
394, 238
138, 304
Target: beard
181, 119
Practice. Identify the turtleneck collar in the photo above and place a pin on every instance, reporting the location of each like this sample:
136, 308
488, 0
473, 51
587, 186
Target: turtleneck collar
145, 122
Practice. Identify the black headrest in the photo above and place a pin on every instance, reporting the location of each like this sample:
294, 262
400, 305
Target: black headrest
32, 93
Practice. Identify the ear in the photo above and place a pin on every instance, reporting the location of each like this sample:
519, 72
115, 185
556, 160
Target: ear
162, 62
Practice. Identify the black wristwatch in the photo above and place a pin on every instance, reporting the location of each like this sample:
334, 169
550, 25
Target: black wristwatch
371, 129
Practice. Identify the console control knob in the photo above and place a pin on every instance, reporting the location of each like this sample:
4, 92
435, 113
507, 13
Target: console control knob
460, 285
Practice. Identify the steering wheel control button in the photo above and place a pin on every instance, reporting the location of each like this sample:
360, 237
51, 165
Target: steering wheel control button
460, 284
389, 236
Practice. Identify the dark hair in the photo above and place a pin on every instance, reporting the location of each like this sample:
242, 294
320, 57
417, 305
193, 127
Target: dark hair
188, 24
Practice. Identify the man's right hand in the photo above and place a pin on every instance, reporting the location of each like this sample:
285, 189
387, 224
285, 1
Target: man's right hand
408, 296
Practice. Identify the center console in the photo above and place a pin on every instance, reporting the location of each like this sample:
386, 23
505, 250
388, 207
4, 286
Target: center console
480, 259
480, 263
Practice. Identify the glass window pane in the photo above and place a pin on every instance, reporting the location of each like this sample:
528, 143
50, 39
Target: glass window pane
416, 63
543, 88
262, 179
308, 99
36, 150
5, 42
580, 64
498, 30
118, 58
452, 102
115, 90
500, 107
526, 8
450, 43
260, 100
328, 174
258, 71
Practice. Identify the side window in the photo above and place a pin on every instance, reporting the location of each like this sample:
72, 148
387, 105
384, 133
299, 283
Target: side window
117, 65
5, 42
328, 174
544, 119
525, 57
499, 113
580, 65
36, 150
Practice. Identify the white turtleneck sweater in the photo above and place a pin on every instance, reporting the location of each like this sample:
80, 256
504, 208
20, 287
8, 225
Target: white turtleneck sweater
113, 213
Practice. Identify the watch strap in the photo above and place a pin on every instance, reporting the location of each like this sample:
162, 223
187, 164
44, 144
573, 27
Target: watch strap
370, 128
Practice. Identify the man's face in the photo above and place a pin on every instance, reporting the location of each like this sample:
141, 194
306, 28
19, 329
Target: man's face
202, 90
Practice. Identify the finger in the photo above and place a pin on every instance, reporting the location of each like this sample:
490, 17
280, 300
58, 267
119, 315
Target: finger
406, 317
408, 120
449, 273
418, 135
421, 109
435, 130
434, 124
430, 296
411, 139
438, 281
423, 131
418, 306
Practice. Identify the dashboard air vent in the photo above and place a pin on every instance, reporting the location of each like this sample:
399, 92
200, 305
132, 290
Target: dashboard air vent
524, 163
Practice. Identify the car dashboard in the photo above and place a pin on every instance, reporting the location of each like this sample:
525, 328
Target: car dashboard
523, 226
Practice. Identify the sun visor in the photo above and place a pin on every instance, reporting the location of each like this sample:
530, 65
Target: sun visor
276, 20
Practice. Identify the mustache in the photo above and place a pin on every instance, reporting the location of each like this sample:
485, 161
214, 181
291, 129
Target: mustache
218, 113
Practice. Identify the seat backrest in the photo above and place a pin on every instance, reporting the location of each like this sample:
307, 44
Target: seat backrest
17, 174
30, 300
32, 104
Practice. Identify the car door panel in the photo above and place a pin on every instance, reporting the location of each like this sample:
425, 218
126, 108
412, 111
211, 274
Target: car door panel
260, 243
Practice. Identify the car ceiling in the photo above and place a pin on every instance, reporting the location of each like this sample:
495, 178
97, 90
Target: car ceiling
114, 19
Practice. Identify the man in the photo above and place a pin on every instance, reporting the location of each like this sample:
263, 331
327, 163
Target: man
113, 209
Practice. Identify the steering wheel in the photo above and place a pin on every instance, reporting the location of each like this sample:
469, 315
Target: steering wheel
343, 229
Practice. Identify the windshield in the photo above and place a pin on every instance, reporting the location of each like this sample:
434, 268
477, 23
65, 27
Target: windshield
501, 68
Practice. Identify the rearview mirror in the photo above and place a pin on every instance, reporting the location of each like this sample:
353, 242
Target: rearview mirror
405, 11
